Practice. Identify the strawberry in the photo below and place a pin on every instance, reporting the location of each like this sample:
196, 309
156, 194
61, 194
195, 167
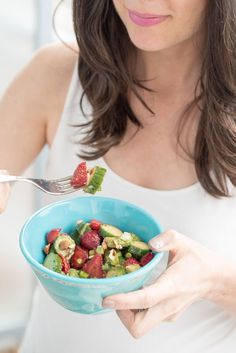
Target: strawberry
95, 225
131, 261
94, 267
65, 264
90, 240
146, 258
79, 257
52, 235
79, 177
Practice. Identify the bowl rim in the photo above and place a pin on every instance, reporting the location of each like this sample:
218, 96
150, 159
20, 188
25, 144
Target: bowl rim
93, 281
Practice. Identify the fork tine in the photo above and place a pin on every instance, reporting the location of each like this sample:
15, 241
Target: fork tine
64, 182
61, 180
68, 190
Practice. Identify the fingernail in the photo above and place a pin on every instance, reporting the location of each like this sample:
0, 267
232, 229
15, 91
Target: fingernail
156, 244
108, 304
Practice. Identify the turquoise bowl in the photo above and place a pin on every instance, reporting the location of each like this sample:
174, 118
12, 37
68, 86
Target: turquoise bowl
80, 294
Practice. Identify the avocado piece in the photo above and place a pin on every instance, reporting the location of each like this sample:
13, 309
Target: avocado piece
132, 268
64, 245
118, 242
114, 257
83, 274
135, 237
116, 271
100, 250
73, 273
53, 262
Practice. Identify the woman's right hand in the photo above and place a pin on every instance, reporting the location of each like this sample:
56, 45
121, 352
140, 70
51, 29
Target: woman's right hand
4, 192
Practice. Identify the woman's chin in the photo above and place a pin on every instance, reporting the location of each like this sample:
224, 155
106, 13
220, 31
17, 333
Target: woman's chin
150, 47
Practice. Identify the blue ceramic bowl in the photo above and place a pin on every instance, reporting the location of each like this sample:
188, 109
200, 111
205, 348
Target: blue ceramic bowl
79, 294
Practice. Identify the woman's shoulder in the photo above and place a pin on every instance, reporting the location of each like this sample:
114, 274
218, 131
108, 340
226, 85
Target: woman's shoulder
55, 61
53, 66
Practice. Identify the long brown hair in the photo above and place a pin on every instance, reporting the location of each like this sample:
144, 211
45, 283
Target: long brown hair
105, 76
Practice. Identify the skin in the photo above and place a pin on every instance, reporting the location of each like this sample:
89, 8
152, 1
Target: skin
30, 112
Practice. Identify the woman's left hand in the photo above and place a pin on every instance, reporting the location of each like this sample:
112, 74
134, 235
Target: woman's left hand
190, 276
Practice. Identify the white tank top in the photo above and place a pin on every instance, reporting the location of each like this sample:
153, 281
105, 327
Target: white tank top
204, 327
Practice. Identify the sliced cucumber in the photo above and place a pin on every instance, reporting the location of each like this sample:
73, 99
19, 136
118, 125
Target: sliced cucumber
138, 249
106, 230
132, 268
53, 262
115, 272
81, 228
95, 180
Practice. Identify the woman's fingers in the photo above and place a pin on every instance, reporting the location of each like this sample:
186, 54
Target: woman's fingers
140, 322
143, 298
170, 240
4, 193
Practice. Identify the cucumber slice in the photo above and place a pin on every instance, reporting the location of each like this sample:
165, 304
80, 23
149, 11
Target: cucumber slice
81, 228
138, 249
132, 268
107, 230
115, 272
95, 180
53, 262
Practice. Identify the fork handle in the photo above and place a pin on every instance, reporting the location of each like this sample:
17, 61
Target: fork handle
8, 178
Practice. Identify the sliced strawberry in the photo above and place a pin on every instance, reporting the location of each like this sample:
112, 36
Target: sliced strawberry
52, 235
90, 240
65, 264
131, 261
95, 225
94, 267
146, 258
80, 177
79, 257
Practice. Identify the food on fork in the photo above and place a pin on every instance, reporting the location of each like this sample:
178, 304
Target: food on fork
90, 179
95, 250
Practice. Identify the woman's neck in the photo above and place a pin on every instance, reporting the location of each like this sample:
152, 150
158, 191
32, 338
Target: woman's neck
172, 70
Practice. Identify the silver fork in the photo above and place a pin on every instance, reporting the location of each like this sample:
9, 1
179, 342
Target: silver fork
54, 187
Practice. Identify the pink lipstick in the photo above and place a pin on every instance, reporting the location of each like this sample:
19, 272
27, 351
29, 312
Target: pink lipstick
146, 19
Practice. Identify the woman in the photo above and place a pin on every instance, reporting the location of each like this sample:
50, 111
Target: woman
158, 78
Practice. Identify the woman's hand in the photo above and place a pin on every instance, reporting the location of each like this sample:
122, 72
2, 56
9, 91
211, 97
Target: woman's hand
4, 193
191, 275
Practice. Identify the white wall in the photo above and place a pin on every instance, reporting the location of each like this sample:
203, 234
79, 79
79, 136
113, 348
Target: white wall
23, 27
16, 38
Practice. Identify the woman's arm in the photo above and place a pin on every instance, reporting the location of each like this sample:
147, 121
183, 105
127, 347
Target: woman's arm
31, 107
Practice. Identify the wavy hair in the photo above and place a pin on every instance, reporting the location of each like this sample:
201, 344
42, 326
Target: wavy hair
105, 74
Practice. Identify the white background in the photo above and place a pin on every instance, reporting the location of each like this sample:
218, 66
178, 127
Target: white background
24, 25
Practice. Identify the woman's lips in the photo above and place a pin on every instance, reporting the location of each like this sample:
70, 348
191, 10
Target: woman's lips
146, 19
